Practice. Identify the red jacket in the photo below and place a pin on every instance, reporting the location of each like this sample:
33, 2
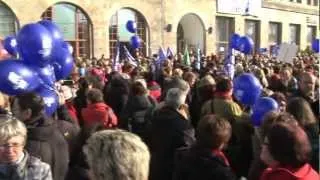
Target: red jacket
99, 113
72, 111
304, 173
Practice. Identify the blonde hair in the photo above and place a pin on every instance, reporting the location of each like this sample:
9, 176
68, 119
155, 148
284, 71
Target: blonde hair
11, 127
117, 154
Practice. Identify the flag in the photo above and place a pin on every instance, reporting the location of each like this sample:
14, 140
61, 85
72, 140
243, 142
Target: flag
229, 64
170, 52
186, 57
198, 59
116, 66
129, 57
161, 56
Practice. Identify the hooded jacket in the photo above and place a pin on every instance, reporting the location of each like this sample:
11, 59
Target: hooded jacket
45, 141
304, 173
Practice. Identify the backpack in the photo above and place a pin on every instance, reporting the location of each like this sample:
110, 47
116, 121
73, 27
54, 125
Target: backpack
140, 119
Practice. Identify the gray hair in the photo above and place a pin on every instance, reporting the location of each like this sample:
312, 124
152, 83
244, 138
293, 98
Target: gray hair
11, 127
117, 154
175, 97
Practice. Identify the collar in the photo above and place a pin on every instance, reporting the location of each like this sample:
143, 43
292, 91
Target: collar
223, 95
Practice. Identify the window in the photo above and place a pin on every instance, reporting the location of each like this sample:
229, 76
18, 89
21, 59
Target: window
225, 29
274, 33
315, 2
75, 26
252, 29
309, 2
8, 21
294, 34
118, 31
311, 34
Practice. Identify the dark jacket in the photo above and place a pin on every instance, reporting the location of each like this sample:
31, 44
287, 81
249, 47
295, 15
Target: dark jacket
133, 116
46, 142
116, 94
169, 131
196, 163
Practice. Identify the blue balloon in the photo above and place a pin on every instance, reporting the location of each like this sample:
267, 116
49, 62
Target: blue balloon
315, 45
131, 26
261, 108
46, 74
245, 45
53, 29
35, 44
247, 88
62, 62
50, 98
67, 46
234, 41
16, 77
135, 42
10, 45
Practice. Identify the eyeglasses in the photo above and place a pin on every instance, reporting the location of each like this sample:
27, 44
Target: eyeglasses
13, 146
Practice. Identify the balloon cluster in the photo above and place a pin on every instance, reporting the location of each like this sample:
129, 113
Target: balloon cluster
43, 58
247, 90
243, 44
135, 40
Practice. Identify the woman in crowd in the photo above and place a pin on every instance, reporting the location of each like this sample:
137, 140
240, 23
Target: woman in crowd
15, 163
286, 151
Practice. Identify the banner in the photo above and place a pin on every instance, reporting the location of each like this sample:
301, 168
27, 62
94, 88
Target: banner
242, 7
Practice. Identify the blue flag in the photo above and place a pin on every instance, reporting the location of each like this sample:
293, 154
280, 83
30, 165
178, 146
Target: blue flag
116, 66
170, 52
129, 57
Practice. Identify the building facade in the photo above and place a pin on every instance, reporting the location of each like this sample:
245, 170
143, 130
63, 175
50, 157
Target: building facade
93, 27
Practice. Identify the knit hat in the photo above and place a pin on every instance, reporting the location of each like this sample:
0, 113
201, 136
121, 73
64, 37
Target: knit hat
206, 81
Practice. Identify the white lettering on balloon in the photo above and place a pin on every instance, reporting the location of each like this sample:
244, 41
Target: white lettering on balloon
17, 81
49, 101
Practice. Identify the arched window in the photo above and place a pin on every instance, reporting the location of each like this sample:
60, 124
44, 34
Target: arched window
8, 21
118, 31
75, 25
191, 32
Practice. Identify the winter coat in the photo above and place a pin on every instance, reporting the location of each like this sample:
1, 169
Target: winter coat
116, 94
133, 117
29, 168
99, 113
46, 142
169, 131
303, 173
195, 164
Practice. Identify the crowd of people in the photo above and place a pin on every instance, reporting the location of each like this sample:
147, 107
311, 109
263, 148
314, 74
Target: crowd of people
169, 122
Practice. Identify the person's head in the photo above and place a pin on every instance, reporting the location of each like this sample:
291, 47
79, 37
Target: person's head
286, 73
307, 82
302, 111
27, 106
94, 96
175, 97
190, 77
213, 132
224, 85
272, 118
13, 135
281, 100
117, 154
139, 87
286, 144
